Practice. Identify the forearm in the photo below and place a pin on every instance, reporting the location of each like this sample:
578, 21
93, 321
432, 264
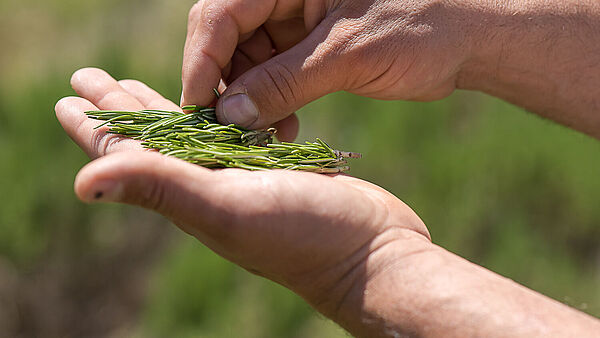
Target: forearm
433, 293
541, 55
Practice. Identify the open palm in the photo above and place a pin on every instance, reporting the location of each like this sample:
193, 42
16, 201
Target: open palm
306, 231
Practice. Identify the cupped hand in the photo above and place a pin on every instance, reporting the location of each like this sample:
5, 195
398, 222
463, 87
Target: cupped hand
310, 232
277, 55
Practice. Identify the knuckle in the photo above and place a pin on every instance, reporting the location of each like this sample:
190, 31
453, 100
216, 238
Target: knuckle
104, 143
130, 83
353, 43
282, 82
113, 96
153, 195
348, 32
216, 15
195, 11
147, 191
213, 14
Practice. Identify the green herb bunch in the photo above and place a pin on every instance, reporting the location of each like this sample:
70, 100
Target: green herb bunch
195, 136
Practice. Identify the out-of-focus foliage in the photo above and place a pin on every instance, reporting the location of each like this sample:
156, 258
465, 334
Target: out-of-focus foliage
494, 184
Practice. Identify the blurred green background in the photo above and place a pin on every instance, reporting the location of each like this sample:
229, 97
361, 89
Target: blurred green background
498, 186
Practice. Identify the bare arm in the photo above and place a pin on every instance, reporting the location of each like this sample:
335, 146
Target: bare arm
541, 55
354, 266
351, 249
430, 292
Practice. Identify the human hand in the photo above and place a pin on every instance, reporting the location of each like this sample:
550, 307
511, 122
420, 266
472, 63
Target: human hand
352, 250
278, 55
312, 233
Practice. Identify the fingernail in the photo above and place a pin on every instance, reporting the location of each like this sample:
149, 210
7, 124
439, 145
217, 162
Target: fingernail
181, 99
239, 109
105, 191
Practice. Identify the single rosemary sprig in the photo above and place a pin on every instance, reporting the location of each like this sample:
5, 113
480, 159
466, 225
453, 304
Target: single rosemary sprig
195, 136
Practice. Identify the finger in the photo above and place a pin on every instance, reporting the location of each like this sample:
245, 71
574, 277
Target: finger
185, 193
147, 96
285, 34
240, 63
215, 37
287, 129
193, 18
102, 90
275, 89
94, 142
256, 50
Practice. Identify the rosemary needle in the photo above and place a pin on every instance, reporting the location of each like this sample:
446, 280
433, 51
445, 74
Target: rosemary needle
195, 136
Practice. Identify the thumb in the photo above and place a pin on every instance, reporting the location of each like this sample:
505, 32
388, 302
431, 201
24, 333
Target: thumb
278, 87
178, 190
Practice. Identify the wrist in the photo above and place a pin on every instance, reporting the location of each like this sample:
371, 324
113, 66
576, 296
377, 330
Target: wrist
360, 300
411, 287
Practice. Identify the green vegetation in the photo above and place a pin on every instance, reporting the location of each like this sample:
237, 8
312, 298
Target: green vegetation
195, 136
494, 184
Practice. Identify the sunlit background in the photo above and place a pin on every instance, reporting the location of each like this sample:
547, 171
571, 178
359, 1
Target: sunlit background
496, 185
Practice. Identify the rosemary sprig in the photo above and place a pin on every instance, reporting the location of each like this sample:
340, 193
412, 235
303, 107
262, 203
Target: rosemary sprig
195, 136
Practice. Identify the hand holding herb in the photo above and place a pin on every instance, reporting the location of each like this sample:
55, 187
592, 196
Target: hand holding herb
276, 56
304, 230
352, 250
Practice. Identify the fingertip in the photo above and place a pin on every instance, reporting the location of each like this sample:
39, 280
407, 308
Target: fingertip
102, 180
261, 96
237, 108
82, 184
146, 179
69, 111
200, 74
80, 75
60, 106
100, 191
76, 76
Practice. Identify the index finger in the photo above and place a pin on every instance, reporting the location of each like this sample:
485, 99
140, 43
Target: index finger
216, 33
70, 112
99, 91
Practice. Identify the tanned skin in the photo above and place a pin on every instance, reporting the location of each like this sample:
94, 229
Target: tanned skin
352, 250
